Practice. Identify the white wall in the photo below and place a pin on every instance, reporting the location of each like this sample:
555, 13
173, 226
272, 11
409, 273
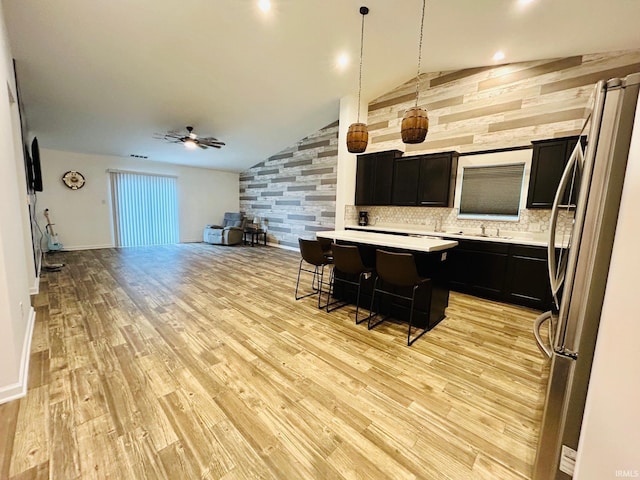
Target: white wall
83, 217
610, 439
16, 314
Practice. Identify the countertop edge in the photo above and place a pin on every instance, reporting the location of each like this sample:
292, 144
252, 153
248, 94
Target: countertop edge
454, 236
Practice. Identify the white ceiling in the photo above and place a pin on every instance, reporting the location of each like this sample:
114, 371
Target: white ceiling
104, 76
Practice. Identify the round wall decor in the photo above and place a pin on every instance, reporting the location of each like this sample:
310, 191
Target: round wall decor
74, 180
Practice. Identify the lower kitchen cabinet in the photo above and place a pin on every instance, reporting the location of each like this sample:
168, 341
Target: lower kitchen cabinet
478, 267
500, 271
527, 280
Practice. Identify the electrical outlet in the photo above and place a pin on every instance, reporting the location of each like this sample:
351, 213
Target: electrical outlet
567, 460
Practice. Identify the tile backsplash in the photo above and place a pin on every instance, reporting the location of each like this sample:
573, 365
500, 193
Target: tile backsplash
535, 221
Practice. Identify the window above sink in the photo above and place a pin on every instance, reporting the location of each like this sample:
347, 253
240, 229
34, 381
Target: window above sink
492, 185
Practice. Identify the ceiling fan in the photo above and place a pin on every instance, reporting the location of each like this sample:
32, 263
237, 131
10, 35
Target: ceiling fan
190, 140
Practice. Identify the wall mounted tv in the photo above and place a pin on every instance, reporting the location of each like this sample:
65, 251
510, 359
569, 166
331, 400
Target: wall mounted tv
36, 184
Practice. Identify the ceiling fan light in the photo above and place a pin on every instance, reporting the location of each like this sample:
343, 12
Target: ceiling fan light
190, 144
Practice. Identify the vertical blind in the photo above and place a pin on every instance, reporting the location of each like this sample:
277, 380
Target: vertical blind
491, 190
145, 209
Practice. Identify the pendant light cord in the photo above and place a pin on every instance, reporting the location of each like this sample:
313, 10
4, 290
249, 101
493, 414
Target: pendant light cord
424, 2
361, 50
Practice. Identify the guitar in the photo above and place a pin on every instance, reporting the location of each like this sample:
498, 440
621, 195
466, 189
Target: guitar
53, 244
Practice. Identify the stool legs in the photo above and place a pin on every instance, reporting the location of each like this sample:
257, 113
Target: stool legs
373, 315
424, 330
316, 282
361, 277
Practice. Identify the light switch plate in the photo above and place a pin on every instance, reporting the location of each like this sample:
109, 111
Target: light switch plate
567, 460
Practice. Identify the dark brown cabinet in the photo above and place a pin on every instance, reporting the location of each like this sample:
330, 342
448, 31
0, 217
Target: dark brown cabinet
479, 268
500, 271
374, 177
427, 180
527, 277
406, 174
548, 161
437, 179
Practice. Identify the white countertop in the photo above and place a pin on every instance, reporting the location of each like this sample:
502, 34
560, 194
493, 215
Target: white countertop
537, 239
415, 243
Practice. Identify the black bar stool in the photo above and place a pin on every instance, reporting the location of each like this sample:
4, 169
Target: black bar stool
347, 267
312, 254
397, 270
326, 244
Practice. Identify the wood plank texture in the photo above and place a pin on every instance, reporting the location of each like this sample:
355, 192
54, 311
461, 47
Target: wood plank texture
497, 106
195, 361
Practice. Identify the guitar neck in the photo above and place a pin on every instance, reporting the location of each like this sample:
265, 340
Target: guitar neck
49, 224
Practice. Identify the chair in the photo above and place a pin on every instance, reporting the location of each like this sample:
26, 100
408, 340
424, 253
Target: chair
325, 244
397, 270
312, 254
347, 266
229, 233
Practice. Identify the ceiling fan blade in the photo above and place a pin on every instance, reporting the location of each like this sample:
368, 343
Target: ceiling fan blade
204, 147
216, 143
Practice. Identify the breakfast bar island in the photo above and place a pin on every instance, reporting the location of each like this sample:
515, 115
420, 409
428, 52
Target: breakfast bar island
430, 255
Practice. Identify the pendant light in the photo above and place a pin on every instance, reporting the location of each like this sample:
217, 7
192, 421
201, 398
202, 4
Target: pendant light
358, 135
415, 122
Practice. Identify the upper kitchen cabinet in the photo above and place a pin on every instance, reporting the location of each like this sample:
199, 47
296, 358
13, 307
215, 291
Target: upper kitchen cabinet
547, 164
437, 179
406, 175
427, 180
374, 177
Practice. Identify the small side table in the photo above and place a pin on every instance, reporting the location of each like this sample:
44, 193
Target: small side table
255, 234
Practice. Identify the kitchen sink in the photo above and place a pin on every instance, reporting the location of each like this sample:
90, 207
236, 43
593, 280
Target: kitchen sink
474, 234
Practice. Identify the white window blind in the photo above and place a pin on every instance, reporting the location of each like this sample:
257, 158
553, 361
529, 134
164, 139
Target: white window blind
492, 190
145, 209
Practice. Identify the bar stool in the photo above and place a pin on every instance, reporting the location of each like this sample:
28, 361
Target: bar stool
347, 266
326, 244
397, 270
312, 254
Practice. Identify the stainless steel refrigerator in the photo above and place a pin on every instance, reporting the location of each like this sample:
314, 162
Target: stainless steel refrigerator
582, 230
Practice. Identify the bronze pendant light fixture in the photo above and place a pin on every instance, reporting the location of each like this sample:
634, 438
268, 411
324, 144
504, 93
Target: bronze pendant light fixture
358, 135
415, 122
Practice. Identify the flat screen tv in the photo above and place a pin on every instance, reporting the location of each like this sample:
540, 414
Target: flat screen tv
28, 168
35, 159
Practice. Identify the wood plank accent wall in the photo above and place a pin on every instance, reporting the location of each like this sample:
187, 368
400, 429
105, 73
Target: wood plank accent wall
295, 190
496, 107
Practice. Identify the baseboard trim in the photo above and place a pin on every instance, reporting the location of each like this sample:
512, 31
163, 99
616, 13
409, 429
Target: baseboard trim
284, 247
86, 247
35, 288
19, 389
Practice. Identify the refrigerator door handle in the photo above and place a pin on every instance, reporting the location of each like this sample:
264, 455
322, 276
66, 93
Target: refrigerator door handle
537, 325
556, 278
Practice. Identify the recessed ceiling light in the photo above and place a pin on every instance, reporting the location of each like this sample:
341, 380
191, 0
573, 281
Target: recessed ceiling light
525, 2
264, 5
499, 55
342, 61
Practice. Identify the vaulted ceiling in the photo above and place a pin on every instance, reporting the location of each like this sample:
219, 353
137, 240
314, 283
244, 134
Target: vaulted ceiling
105, 76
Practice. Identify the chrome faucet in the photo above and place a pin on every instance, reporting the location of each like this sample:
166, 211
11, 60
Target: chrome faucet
482, 228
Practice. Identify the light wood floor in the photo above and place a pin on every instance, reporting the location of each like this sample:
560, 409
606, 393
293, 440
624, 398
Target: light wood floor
194, 361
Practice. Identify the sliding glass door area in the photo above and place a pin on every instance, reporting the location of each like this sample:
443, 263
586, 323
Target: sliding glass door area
145, 209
